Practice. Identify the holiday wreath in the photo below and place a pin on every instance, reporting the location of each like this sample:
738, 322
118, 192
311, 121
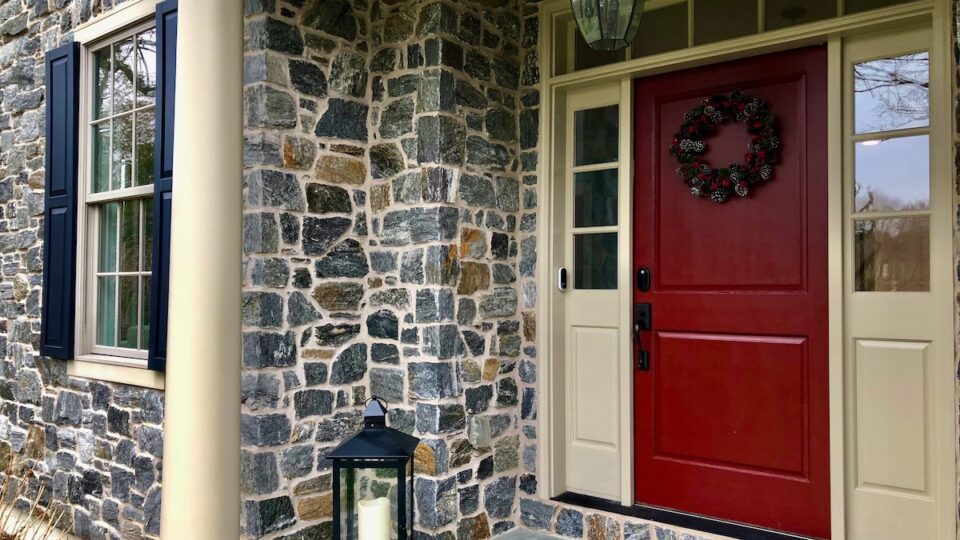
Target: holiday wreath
699, 123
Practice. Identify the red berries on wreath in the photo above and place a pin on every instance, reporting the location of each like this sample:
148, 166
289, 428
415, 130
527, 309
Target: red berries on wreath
688, 145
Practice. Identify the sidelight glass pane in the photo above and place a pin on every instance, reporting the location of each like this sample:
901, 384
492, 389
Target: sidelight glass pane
129, 309
101, 157
892, 254
101, 83
123, 75
106, 310
595, 198
856, 6
109, 214
595, 261
130, 236
146, 67
784, 13
716, 21
122, 152
892, 93
595, 135
144, 147
892, 174
661, 30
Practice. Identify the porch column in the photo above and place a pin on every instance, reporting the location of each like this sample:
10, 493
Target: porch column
201, 466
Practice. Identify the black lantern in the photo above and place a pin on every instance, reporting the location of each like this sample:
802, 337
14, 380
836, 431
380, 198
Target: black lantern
607, 25
373, 480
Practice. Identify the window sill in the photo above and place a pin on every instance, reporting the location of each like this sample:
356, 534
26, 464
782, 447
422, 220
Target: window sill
117, 370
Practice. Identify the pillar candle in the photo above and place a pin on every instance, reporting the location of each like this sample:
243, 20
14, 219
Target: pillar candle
374, 519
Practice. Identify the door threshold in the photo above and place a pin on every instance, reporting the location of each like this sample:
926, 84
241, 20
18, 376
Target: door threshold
686, 520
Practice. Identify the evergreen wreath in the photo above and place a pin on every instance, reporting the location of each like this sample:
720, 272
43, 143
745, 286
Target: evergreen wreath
699, 123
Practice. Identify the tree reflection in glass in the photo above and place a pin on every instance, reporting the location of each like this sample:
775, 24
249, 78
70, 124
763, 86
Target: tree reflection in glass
892, 93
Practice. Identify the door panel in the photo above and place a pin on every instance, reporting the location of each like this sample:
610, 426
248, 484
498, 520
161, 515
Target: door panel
892, 400
731, 370
592, 342
899, 285
732, 416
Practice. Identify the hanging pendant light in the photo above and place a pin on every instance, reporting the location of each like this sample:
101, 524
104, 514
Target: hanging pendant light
607, 25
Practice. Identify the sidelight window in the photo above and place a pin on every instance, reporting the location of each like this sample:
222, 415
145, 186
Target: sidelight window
891, 173
594, 181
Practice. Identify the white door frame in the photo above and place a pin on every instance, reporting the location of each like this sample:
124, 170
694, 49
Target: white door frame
934, 13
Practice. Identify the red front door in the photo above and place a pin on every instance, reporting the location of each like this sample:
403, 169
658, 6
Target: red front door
732, 415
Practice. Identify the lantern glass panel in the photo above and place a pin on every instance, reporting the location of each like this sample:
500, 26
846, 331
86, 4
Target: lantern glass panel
370, 505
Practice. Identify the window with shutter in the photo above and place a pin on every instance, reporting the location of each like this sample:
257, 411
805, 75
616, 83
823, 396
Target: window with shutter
109, 186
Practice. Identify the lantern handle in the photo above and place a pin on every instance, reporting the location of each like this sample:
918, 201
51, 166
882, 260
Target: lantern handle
383, 403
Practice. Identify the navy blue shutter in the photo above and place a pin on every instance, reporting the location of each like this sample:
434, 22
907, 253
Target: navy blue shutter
163, 181
60, 200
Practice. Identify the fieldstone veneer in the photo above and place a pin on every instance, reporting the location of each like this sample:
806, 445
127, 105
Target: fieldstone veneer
389, 238
94, 446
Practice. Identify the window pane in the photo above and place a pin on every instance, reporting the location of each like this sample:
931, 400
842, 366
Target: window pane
892, 254
783, 13
892, 174
145, 312
661, 30
595, 261
123, 75
122, 152
128, 329
595, 198
856, 6
147, 256
892, 93
146, 67
101, 157
106, 311
101, 83
586, 57
109, 213
130, 236
596, 135
716, 21
144, 147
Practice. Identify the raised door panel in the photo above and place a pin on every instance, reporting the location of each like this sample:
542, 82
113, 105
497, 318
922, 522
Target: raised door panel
756, 415
768, 242
891, 418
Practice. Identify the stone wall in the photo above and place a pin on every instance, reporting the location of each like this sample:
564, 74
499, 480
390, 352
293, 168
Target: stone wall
389, 244
390, 240
94, 446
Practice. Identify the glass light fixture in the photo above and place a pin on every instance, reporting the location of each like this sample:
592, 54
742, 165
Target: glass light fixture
607, 25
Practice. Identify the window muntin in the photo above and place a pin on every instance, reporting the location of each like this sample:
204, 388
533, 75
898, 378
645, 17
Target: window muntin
118, 210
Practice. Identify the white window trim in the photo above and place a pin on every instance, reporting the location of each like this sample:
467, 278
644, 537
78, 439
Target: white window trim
131, 367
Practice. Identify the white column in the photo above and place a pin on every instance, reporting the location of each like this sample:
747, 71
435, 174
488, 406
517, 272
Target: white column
201, 465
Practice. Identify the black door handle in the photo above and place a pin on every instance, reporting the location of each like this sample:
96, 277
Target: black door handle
642, 321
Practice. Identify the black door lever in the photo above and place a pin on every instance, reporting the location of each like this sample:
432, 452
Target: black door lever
642, 321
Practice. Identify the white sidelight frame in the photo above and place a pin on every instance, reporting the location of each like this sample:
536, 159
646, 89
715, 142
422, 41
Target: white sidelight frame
555, 93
